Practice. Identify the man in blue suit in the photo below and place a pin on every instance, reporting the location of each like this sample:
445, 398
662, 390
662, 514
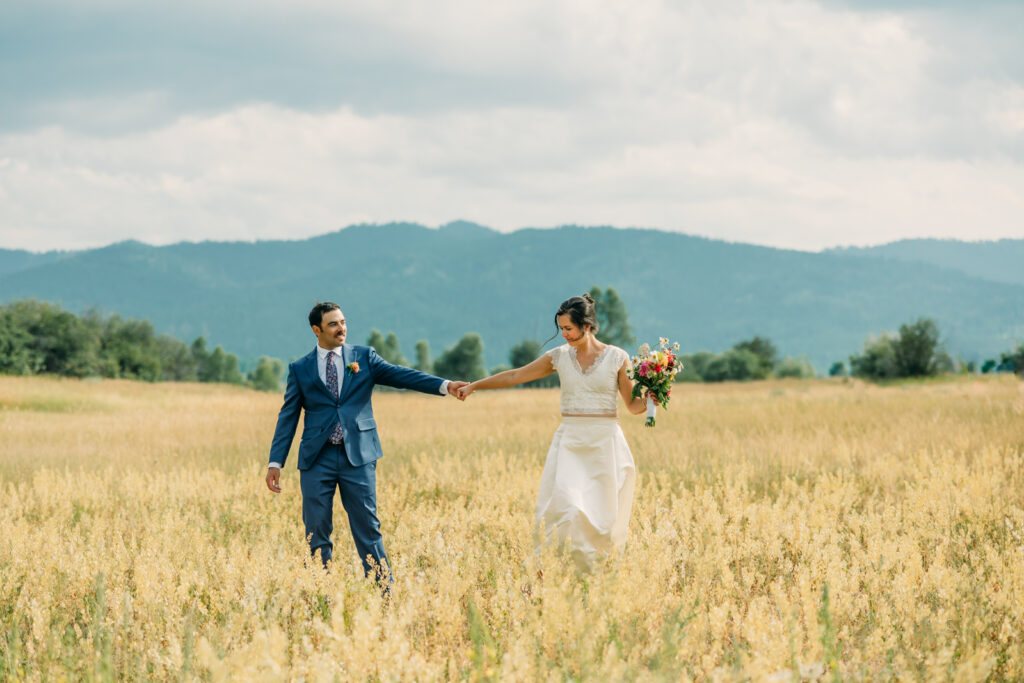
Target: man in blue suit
340, 446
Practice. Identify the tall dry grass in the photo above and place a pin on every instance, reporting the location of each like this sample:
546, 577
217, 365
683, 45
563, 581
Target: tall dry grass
780, 530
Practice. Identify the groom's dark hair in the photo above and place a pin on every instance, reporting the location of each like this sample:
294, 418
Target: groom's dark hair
316, 316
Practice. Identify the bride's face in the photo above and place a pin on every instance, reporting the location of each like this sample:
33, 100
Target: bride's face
570, 332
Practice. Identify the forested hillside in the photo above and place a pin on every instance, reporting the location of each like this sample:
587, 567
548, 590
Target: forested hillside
438, 284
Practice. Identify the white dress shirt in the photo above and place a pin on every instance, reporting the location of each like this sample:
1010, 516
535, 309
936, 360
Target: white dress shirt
321, 366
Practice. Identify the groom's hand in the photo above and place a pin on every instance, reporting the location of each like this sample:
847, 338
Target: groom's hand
454, 386
274, 479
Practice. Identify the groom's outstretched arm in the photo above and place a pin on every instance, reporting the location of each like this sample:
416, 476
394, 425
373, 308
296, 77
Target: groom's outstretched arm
284, 432
401, 377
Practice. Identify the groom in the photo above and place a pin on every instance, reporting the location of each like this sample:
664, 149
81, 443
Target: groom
339, 446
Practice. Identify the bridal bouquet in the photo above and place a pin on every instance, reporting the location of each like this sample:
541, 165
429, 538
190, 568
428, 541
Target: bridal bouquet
654, 370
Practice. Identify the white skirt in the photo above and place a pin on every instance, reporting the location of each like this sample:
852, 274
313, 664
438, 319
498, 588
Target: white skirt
586, 491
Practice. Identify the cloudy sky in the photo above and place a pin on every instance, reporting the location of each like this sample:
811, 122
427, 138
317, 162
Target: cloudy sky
792, 123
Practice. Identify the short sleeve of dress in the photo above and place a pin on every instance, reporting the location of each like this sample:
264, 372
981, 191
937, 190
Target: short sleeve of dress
621, 356
556, 355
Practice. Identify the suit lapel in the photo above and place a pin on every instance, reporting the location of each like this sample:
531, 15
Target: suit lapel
314, 373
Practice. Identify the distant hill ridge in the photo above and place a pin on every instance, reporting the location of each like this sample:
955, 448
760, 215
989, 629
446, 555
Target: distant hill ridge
999, 260
438, 284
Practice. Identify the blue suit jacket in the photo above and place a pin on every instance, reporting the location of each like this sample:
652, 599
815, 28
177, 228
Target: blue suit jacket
306, 391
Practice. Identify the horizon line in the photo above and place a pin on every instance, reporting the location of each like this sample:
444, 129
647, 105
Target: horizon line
475, 225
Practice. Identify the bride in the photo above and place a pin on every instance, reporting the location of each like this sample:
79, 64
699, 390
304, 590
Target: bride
586, 490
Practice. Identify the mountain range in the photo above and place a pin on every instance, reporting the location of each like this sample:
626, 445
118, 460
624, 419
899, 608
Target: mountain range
440, 283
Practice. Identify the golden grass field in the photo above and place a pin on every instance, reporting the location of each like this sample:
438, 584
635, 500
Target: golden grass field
139, 541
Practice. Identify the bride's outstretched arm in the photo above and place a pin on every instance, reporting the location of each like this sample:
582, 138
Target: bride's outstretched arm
541, 367
633, 405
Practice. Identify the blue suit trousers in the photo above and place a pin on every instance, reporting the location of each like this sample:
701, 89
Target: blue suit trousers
358, 488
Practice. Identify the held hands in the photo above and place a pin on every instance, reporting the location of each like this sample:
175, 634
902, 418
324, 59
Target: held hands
455, 387
465, 391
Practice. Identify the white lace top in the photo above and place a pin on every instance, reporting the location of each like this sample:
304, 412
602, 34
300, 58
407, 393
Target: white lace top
591, 392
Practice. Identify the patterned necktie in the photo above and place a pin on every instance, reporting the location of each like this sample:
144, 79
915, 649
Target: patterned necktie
332, 386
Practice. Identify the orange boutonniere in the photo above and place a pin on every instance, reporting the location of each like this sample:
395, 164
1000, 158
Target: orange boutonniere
353, 368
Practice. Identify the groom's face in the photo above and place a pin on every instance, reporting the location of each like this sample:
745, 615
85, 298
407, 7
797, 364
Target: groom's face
331, 332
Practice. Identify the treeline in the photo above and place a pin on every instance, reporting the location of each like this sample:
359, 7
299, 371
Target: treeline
462, 360
465, 359
752, 359
38, 337
756, 358
916, 351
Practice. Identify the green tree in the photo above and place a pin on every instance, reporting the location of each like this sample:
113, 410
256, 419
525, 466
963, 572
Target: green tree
917, 349
43, 337
215, 367
376, 341
695, 366
463, 361
15, 344
988, 366
395, 350
423, 362
267, 374
231, 372
524, 353
735, 365
838, 369
388, 347
612, 318
129, 349
199, 356
794, 368
1013, 361
765, 351
220, 366
176, 360
877, 361
913, 352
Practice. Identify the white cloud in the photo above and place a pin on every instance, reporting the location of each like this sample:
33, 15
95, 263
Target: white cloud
779, 122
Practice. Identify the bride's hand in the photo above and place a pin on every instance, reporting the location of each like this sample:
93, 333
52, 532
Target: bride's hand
464, 391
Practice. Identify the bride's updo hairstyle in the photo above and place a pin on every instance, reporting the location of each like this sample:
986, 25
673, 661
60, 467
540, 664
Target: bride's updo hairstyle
580, 310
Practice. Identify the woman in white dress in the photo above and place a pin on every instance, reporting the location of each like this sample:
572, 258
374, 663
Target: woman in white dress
586, 490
